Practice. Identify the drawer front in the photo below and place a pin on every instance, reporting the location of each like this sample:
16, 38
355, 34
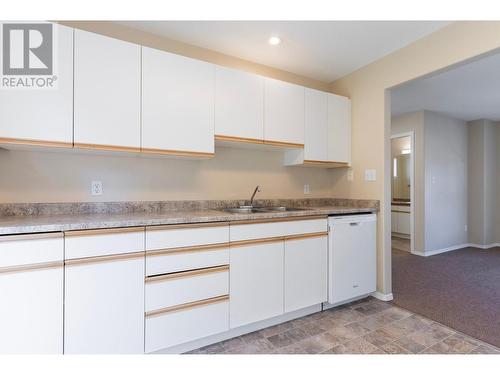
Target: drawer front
100, 242
176, 289
19, 250
187, 259
168, 237
243, 232
174, 328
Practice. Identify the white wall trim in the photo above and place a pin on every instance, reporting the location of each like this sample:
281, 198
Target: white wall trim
383, 296
456, 247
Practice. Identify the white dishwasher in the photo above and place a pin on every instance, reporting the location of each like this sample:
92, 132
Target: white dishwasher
352, 257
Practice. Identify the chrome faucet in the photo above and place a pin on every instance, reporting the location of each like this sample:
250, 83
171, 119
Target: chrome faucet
257, 189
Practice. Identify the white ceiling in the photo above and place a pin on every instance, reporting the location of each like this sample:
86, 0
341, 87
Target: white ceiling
323, 50
468, 92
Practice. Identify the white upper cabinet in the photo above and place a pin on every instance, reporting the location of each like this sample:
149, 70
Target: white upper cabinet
177, 104
283, 112
239, 104
107, 91
44, 116
339, 129
316, 125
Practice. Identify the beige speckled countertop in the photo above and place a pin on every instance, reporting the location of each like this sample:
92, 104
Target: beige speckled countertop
38, 223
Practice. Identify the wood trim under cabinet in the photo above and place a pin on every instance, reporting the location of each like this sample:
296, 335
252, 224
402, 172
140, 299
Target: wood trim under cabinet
321, 163
305, 236
184, 274
90, 146
196, 154
187, 306
227, 138
103, 258
28, 237
31, 267
95, 232
34, 142
187, 226
284, 144
187, 249
277, 219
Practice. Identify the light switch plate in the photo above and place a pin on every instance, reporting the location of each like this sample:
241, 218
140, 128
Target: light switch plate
350, 175
306, 189
370, 175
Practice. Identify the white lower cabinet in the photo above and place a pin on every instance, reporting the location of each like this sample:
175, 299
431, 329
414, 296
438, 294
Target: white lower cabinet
104, 306
306, 267
31, 294
256, 282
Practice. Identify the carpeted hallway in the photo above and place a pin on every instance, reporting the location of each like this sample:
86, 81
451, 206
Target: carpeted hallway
460, 289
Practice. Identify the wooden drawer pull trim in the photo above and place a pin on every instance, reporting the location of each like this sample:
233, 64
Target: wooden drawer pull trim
187, 226
284, 144
278, 219
192, 273
29, 237
277, 239
91, 146
31, 267
228, 138
188, 249
94, 232
196, 154
104, 258
187, 306
34, 142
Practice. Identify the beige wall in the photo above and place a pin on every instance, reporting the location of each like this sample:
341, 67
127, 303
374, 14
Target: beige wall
232, 174
367, 87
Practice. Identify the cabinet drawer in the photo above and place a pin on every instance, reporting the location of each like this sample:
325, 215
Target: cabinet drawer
19, 250
99, 242
277, 228
188, 258
173, 236
187, 323
184, 287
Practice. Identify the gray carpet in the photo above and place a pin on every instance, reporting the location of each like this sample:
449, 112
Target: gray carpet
460, 289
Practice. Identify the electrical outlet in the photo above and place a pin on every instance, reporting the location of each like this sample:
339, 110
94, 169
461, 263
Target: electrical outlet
96, 188
370, 175
306, 189
350, 175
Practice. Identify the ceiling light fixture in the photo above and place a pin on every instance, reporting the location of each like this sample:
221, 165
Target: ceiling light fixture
274, 40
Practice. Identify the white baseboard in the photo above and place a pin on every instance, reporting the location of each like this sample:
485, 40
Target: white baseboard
383, 296
452, 248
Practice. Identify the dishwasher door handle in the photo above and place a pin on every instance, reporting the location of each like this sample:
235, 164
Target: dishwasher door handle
354, 224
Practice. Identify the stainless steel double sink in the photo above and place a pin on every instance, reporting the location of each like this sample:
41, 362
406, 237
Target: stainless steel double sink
251, 210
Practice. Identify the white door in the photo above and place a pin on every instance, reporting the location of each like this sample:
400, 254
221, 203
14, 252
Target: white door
239, 104
394, 222
31, 317
352, 257
104, 307
306, 267
339, 128
177, 103
256, 282
316, 125
404, 222
107, 91
283, 112
43, 114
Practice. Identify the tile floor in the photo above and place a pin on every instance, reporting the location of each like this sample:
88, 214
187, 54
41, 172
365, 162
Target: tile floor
369, 326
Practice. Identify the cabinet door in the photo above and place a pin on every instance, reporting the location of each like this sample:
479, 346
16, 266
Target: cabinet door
104, 307
306, 267
31, 294
239, 104
107, 91
44, 115
394, 222
177, 103
283, 112
339, 128
316, 125
256, 282
404, 223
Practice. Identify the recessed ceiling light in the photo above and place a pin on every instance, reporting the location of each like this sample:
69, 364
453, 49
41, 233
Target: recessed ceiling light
274, 40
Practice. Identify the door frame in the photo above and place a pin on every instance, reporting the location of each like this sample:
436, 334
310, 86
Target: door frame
410, 134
